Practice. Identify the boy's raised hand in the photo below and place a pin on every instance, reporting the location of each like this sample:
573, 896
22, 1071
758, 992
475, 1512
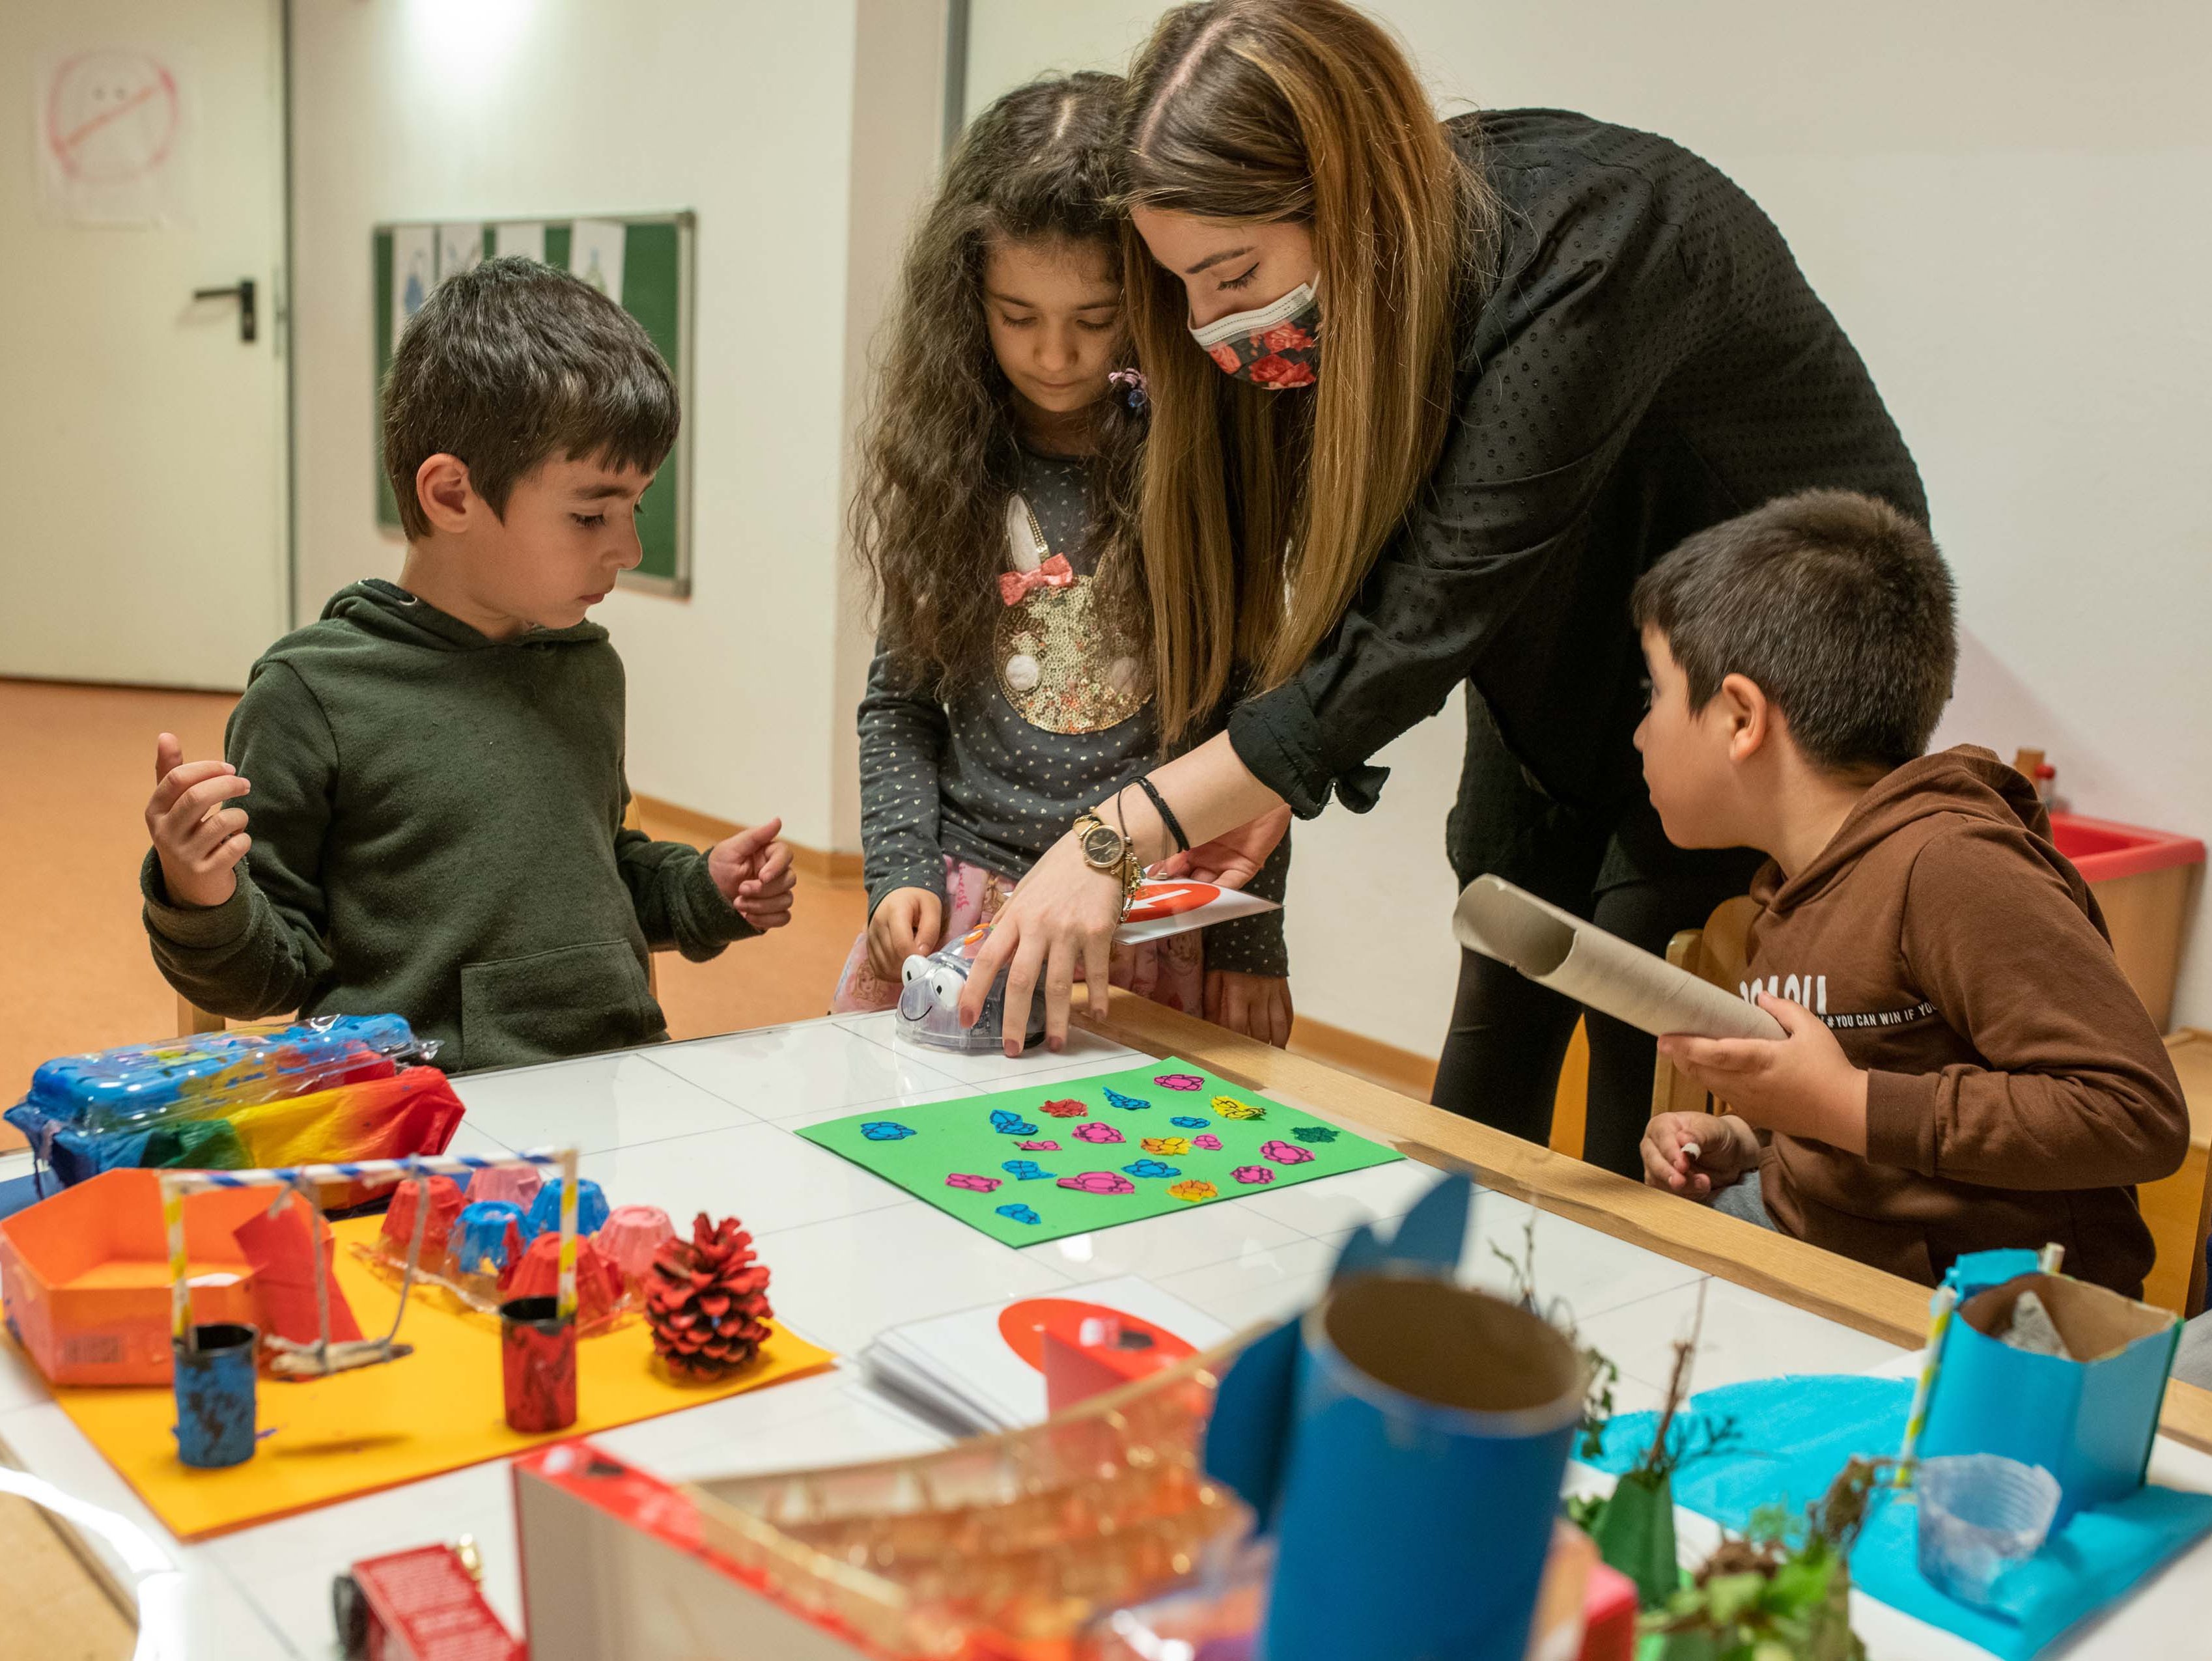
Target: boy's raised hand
1802, 1084
1694, 1153
753, 870
905, 925
198, 840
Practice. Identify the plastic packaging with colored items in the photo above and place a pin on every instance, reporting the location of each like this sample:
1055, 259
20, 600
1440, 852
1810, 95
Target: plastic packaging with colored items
116, 1089
336, 1090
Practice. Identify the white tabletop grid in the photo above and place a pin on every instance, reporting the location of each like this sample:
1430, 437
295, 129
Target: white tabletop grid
709, 1125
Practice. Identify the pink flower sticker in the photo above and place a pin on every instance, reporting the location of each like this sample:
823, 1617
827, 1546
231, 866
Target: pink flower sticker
1210, 1142
1097, 1132
1038, 1147
1253, 1173
973, 1184
1193, 1191
1099, 1182
1180, 1081
1284, 1153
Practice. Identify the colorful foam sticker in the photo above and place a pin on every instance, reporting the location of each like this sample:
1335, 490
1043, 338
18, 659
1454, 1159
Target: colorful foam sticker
1254, 1146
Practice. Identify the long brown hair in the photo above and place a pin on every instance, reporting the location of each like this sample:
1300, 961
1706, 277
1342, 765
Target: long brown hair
1269, 507
940, 453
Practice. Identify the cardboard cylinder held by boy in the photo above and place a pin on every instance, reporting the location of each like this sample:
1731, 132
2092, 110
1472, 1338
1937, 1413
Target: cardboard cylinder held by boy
1559, 950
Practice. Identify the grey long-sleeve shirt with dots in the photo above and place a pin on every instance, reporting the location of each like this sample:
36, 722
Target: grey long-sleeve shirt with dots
979, 780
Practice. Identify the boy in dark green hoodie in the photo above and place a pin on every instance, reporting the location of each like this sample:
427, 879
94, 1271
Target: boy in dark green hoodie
435, 766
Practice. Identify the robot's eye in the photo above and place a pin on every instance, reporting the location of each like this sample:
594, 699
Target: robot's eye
912, 970
945, 984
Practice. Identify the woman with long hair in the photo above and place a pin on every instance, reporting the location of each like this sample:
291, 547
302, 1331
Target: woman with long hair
1427, 397
996, 516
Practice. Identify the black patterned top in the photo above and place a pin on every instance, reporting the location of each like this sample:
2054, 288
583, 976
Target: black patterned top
1648, 361
985, 783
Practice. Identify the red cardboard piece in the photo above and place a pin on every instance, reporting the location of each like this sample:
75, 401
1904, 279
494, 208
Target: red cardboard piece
282, 1254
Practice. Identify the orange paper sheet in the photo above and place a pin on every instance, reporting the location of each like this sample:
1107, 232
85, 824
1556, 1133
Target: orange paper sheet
434, 1411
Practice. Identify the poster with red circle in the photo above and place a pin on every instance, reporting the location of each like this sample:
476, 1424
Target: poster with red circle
114, 126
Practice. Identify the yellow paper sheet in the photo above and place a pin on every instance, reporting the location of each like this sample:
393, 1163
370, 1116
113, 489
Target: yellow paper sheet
434, 1411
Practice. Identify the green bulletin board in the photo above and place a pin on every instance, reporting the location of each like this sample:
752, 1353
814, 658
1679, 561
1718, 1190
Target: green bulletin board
656, 289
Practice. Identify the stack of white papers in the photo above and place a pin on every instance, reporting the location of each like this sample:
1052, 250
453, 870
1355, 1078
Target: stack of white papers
966, 1371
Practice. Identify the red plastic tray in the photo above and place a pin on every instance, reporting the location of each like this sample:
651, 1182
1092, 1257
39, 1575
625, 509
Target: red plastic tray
2103, 851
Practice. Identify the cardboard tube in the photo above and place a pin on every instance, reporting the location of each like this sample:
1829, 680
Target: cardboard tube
538, 1365
1559, 950
214, 1387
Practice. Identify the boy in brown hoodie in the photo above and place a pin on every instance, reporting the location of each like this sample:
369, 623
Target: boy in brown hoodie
1965, 1065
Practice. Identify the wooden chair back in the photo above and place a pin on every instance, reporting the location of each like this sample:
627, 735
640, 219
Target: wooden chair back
192, 1019
1718, 952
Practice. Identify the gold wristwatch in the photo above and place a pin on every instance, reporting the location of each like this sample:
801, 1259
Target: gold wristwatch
1107, 851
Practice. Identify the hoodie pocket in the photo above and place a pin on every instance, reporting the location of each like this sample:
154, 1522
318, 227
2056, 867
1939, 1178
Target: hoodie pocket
572, 1001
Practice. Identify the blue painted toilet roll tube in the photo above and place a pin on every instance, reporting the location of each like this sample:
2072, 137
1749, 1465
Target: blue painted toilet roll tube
214, 1381
1431, 1431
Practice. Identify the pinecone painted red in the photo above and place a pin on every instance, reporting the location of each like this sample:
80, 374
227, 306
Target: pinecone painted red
706, 1300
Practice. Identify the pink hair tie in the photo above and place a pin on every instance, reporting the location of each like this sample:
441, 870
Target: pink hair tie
1132, 381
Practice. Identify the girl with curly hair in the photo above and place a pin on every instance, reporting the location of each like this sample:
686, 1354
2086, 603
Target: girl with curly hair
1012, 682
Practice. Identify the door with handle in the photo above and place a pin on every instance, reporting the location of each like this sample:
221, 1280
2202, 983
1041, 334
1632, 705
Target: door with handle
145, 413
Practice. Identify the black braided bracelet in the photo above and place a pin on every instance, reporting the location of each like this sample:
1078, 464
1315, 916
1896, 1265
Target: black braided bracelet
1167, 813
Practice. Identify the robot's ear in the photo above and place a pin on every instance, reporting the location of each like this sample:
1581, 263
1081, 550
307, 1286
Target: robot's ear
914, 969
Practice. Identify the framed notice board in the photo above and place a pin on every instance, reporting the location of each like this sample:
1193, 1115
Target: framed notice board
644, 261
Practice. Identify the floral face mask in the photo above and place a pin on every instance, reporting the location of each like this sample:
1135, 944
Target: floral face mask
1276, 347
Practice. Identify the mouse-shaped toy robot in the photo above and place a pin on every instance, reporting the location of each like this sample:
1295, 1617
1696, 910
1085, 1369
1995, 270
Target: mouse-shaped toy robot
929, 1002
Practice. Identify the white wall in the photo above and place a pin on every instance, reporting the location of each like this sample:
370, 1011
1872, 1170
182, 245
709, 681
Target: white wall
2005, 202
795, 147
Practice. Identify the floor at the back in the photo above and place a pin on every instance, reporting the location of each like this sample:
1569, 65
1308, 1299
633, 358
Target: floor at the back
76, 764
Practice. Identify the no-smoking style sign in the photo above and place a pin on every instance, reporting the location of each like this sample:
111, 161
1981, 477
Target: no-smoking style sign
112, 131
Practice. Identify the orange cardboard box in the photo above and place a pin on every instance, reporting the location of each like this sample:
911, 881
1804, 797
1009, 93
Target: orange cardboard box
86, 1276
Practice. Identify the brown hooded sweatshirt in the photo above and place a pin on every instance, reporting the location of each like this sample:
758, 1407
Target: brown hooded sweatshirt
2017, 1089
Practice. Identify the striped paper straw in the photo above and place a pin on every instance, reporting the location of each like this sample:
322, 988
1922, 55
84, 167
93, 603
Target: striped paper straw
180, 1293
448, 1165
566, 1308
176, 1184
1939, 1322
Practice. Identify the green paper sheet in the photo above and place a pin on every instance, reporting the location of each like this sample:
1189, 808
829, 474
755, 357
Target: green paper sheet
980, 1140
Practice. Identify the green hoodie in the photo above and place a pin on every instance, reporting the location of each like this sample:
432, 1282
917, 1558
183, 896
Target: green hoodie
436, 822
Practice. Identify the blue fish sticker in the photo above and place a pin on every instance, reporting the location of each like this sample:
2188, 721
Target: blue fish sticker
1127, 1104
1025, 1171
1188, 1123
1150, 1168
1010, 1123
1020, 1214
1314, 1133
885, 1130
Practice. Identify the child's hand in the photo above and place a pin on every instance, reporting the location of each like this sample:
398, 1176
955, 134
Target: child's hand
1257, 1006
1694, 1153
1801, 1084
904, 926
200, 842
753, 870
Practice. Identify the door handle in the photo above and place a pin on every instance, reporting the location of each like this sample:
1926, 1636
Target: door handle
244, 289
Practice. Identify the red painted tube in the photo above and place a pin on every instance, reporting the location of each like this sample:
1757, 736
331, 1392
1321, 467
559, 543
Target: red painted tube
538, 1363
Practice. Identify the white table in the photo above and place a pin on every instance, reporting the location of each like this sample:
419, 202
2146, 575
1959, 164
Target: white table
708, 1125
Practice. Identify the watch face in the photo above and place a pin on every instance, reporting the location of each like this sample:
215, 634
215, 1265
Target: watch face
1102, 846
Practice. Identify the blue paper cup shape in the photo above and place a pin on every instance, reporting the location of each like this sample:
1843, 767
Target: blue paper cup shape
214, 1381
1430, 1431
